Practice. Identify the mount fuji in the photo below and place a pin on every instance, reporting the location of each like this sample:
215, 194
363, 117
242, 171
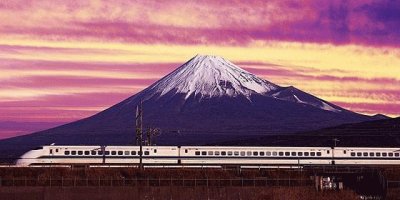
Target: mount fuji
205, 100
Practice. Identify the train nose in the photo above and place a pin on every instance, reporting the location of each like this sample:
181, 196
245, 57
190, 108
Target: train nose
28, 158
22, 162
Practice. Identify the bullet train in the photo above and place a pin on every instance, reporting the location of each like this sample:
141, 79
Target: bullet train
195, 156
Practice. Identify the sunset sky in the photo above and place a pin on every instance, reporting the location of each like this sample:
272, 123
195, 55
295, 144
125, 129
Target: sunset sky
65, 60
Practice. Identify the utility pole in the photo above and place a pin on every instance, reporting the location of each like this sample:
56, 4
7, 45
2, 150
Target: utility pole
149, 135
139, 132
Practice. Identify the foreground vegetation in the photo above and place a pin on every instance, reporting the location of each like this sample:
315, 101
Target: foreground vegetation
113, 183
187, 193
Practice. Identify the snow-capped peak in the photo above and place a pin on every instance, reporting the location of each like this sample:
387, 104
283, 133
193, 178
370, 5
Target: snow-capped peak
206, 76
211, 76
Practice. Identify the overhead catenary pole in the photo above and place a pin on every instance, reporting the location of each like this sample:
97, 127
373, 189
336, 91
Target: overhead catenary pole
139, 131
335, 140
151, 133
148, 136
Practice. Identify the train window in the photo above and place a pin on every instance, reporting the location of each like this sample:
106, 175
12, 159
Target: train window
300, 153
51, 151
274, 153
255, 153
211, 153
262, 153
384, 154
378, 154
242, 153
249, 153
73, 152
268, 153
319, 153
155, 150
57, 150
287, 153
229, 153
293, 153
328, 152
204, 153
306, 153
312, 153
133, 152
390, 154
353, 154
120, 153
344, 151
396, 154
371, 154
80, 152
216, 153
146, 153
107, 152
113, 153
87, 152
223, 153
236, 153
358, 153
93, 152
186, 151
365, 154
197, 153
280, 153
66, 152
126, 153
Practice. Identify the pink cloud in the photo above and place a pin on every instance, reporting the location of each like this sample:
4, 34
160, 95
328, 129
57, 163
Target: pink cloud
99, 99
73, 82
372, 108
12, 129
270, 70
151, 68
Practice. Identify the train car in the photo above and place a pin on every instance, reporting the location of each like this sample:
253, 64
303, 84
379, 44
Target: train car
366, 156
225, 155
195, 156
99, 155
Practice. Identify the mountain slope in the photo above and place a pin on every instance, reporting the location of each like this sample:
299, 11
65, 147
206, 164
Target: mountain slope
207, 99
377, 133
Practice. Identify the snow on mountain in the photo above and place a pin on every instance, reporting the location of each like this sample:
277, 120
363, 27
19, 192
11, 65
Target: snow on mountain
211, 76
295, 95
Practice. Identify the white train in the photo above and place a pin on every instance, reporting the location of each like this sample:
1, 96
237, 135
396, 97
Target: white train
196, 156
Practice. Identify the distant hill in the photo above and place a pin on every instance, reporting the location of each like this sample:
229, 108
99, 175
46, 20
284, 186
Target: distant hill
378, 133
